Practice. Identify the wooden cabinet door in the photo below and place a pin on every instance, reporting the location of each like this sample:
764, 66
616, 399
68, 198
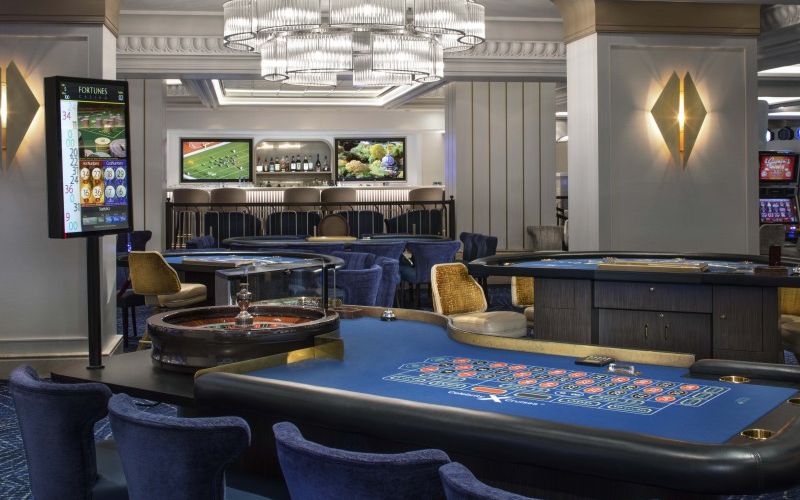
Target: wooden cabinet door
631, 329
685, 332
745, 324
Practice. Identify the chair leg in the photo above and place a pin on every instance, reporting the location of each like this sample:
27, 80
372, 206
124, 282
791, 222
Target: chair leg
125, 327
418, 292
133, 321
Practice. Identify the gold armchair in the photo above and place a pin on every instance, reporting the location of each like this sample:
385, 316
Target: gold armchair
789, 299
152, 277
456, 294
522, 296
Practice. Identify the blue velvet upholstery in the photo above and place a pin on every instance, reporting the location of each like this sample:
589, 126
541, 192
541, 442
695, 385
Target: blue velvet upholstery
223, 225
390, 278
477, 246
391, 249
427, 254
201, 242
359, 287
292, 223
313, 471
363, 222
355, 260
460, 484
421, 221
57, 426
169, 458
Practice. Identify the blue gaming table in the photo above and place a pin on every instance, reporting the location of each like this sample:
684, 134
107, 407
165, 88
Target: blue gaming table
410, 384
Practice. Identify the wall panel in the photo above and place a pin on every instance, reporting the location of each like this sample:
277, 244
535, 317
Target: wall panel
481, 159
498, 141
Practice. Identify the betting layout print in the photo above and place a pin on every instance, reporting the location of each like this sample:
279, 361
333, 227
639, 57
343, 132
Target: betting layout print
499, 381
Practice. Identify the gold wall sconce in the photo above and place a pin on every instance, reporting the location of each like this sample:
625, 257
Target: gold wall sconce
18, 108
679, 113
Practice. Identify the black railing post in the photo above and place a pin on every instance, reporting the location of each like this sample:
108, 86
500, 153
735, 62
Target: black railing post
169, 226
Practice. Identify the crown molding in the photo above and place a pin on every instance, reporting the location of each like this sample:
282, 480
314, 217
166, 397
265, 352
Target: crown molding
779, 16
156, 56
104, 12
778, 44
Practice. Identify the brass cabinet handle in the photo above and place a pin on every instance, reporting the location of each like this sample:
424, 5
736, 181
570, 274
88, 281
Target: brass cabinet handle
666, 332
723, 316
652, 289
646, 327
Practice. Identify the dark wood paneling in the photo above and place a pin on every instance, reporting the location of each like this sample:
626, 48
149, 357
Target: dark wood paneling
631, 329
686, 332
652, 296
746, 324
563, 310
667, 331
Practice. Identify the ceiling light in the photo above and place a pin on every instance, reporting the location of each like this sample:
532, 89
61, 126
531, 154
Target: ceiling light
381, 41
173, 81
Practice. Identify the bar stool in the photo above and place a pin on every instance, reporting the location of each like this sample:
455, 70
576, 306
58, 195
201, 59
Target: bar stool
228, 195
302, 195
345, 195
433, 194
187, 220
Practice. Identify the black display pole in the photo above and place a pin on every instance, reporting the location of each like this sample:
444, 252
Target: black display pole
93, 301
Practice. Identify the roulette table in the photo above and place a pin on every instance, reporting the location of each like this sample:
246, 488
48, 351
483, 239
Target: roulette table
711, 305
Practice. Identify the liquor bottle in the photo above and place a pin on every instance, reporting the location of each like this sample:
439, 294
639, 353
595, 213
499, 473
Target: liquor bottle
326, 167
293, 165
259, 164
306, 165
318, 165
271, 165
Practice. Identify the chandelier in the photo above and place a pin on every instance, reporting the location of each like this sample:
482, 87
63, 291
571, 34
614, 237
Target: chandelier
381, 42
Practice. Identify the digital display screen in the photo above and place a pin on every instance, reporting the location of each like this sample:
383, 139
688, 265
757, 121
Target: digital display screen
87, 156
377, 160
777, 167
216, 160
778, 211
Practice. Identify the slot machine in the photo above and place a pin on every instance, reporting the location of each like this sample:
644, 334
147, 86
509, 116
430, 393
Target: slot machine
778, 178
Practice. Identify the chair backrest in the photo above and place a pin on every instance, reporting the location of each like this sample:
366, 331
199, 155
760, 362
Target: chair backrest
547, 237
355, 260
521, 291
302, 195
333, 225
231, 224
416, 222
175, 458
57, 426
455, 291
139, 240
789, 300
427, 254
340, 474
477, 246
390, 249
460, 484
292, 223
390, 278
323, 248
433, 194
228, 195
342, 195
363, 222
151, 275
360, 286
190, 195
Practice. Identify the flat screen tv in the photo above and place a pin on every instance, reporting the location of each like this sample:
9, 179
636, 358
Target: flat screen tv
778, 211
777, 167
370, 160
88, 162
216, 160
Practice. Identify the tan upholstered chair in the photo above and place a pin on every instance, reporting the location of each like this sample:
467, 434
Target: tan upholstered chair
190, 195
302, 195
333, 225
434, 194
344, 195
153, 278
456, 294
229, 195
789, 299
522, 296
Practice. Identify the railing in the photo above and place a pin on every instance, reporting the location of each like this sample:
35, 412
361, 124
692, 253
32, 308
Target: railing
185, 221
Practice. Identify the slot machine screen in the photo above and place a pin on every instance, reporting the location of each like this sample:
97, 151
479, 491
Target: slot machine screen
88, 163
777, 167
778, 211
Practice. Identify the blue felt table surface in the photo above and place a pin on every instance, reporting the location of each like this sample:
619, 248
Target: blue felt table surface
405, 360
590, 264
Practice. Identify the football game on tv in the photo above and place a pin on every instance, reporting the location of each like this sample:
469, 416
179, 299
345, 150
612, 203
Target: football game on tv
216, 160
375, 160
777, 167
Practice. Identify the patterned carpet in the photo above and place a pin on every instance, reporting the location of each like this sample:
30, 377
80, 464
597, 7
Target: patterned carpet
13, 470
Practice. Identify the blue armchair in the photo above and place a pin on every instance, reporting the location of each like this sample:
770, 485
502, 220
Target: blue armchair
57, 425
391, 249
355, 260
358, 287
425, 255
460, 484
172, 458
315, 471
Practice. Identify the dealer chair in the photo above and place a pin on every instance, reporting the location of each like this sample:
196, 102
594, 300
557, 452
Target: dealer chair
522, 296
460, 484
789, 300
57, 426
127, 300
315, 471
333, 225
172, 458
456, 294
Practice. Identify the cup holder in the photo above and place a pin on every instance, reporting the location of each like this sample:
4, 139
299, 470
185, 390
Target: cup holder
735, 379
757, 434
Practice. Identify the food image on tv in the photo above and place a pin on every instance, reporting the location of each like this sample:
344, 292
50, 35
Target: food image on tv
101, 130
216, 160
777, 167
370, 160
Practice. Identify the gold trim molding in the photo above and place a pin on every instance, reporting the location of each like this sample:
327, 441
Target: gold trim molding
586, 17
104, 12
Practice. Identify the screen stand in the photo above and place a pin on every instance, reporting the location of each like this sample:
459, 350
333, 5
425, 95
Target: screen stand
93, 301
